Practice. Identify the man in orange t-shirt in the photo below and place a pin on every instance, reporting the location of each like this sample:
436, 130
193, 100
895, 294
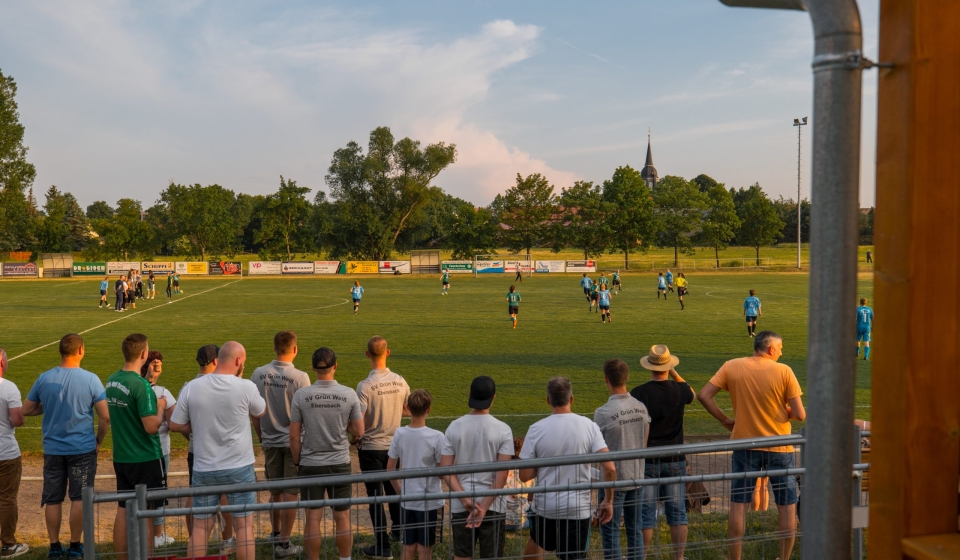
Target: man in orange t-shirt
765, 397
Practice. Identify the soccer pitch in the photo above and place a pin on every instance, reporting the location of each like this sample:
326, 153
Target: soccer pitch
438, 343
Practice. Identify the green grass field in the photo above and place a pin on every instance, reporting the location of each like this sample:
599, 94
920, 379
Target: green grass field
437, 343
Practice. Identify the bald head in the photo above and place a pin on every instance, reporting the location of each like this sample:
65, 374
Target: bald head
231, 358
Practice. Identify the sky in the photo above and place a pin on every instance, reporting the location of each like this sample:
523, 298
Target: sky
120, 98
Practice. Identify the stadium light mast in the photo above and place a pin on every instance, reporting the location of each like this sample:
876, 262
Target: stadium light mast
799, 124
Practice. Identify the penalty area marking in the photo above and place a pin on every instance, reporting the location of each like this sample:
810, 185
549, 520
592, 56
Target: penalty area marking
124, 317
344, 302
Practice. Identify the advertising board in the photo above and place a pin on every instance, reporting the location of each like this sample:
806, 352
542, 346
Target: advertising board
255, 268
224, 268
326, 267
489, 267
19, 269
184, 267
551, 266
458, 267
122, 267
297, 268
363, 267
158, 267
582, 266
388, 267
511, 267
89, 268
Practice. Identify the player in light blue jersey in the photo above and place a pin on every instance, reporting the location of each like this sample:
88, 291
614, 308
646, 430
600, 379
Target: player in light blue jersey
864, 326
585, 283
661, 286
356, 292
669, 277
513, 304
604, 301
104, 284
445, 280
751, 310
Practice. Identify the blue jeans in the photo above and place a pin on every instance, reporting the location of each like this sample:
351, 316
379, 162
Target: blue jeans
241, 475
673, 496
627, 505
748, 460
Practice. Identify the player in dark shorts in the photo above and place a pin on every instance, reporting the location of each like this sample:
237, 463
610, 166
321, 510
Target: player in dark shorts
513, 304
615, 281
519, 273
594, 298
681, 288
169, 284
176, 282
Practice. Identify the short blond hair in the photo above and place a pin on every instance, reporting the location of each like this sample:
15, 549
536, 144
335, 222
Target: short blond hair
377, 346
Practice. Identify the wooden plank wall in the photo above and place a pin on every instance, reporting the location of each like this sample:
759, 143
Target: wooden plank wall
916, 370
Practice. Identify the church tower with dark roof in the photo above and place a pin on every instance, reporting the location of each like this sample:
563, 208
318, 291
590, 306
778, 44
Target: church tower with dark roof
649, 172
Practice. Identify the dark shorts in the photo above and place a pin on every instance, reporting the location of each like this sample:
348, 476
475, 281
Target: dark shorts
616, 282
176, 283
356, 301
863, 336
751, 318
568, 537
661, 288
190, 467
490, 535
512, 310
152, 473
682, 291
58, 470
784, 487
446, 283
604, 307
594, 297
277, 464
333, 491
103, 292
586, 291
419, 527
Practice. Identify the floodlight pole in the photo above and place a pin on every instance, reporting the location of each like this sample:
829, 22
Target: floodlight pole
799, 124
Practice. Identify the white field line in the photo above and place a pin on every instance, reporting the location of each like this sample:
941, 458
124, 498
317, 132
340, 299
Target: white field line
344, 302
124, 317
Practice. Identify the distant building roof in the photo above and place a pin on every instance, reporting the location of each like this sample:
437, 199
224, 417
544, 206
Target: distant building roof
649, 172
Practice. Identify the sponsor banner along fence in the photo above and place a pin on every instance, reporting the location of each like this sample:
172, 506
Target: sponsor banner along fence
183, 267
458, 267
297, 268
158, 267
582, 266
122, 267
387, 267
489, 267
326, 267
551, 266
264, 267
512, 266
224, 268
363, 267
89, 268
19, 269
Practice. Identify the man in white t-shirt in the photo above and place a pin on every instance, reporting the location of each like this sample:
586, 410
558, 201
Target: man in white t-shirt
478, 437
222, 443
561, 520
11, 418
383, 401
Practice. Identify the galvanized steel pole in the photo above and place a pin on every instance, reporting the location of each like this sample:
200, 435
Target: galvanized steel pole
89, 526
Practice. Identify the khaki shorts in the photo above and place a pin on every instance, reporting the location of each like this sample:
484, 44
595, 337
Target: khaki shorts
278, 464
333, 491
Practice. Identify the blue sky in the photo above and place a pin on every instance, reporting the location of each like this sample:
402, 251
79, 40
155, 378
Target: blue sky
120, 98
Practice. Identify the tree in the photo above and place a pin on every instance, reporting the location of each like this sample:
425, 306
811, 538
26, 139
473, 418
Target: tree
631, 219
99, 210
705, 183
63, 226
679, 208
759, 224
721, 223
526, 210
787, 212
285, 221
18, 219
125, 235
471, 232
582, 219
204, 216
866, 226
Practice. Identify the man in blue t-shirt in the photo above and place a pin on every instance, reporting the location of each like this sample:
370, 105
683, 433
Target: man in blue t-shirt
751, 310
604, 302
585, 283
864, 325
356, 292
66, 396
661, 286
104, 285
669, 277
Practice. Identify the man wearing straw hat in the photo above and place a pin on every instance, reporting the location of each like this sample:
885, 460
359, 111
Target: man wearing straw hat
666, 395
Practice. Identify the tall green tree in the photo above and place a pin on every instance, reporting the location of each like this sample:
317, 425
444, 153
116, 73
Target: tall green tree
63, 226
99, 210
787, 212
679, 209
631, 218
583, 219
527, 209
123, 236
472, 231
705, 182
204, 216
720, 224
759, 224
285, 221
18, 220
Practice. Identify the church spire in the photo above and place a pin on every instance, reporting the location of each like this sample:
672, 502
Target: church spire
649, 172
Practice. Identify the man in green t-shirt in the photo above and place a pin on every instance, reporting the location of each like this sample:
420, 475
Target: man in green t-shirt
135, 418
513, 304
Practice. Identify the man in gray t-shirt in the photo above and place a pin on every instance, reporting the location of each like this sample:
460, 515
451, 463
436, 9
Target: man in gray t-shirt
624, 423
277, 383
323, 416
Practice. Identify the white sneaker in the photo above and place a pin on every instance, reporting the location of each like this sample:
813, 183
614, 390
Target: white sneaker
162, 540
228, 546
287, 551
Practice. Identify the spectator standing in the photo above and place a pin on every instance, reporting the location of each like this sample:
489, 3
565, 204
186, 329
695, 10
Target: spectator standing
151, 371
478, 437
417, 447
324, 416
624, 423
666, 396
561, 520
383, 401
120, 291
277, 383
765, 397
222, 442
136, 416
11, 467
66, 396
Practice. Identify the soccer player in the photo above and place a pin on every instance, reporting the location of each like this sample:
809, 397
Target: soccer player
585, 283
104, 284
170, 285
615, 281
603, 281
681, 288
151, 286
661, 286
131, 292
513, 304
864, 324
445, 279
603, 302
176, 283
594, 298
751, 310
669, 277
519, 272
356, 292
